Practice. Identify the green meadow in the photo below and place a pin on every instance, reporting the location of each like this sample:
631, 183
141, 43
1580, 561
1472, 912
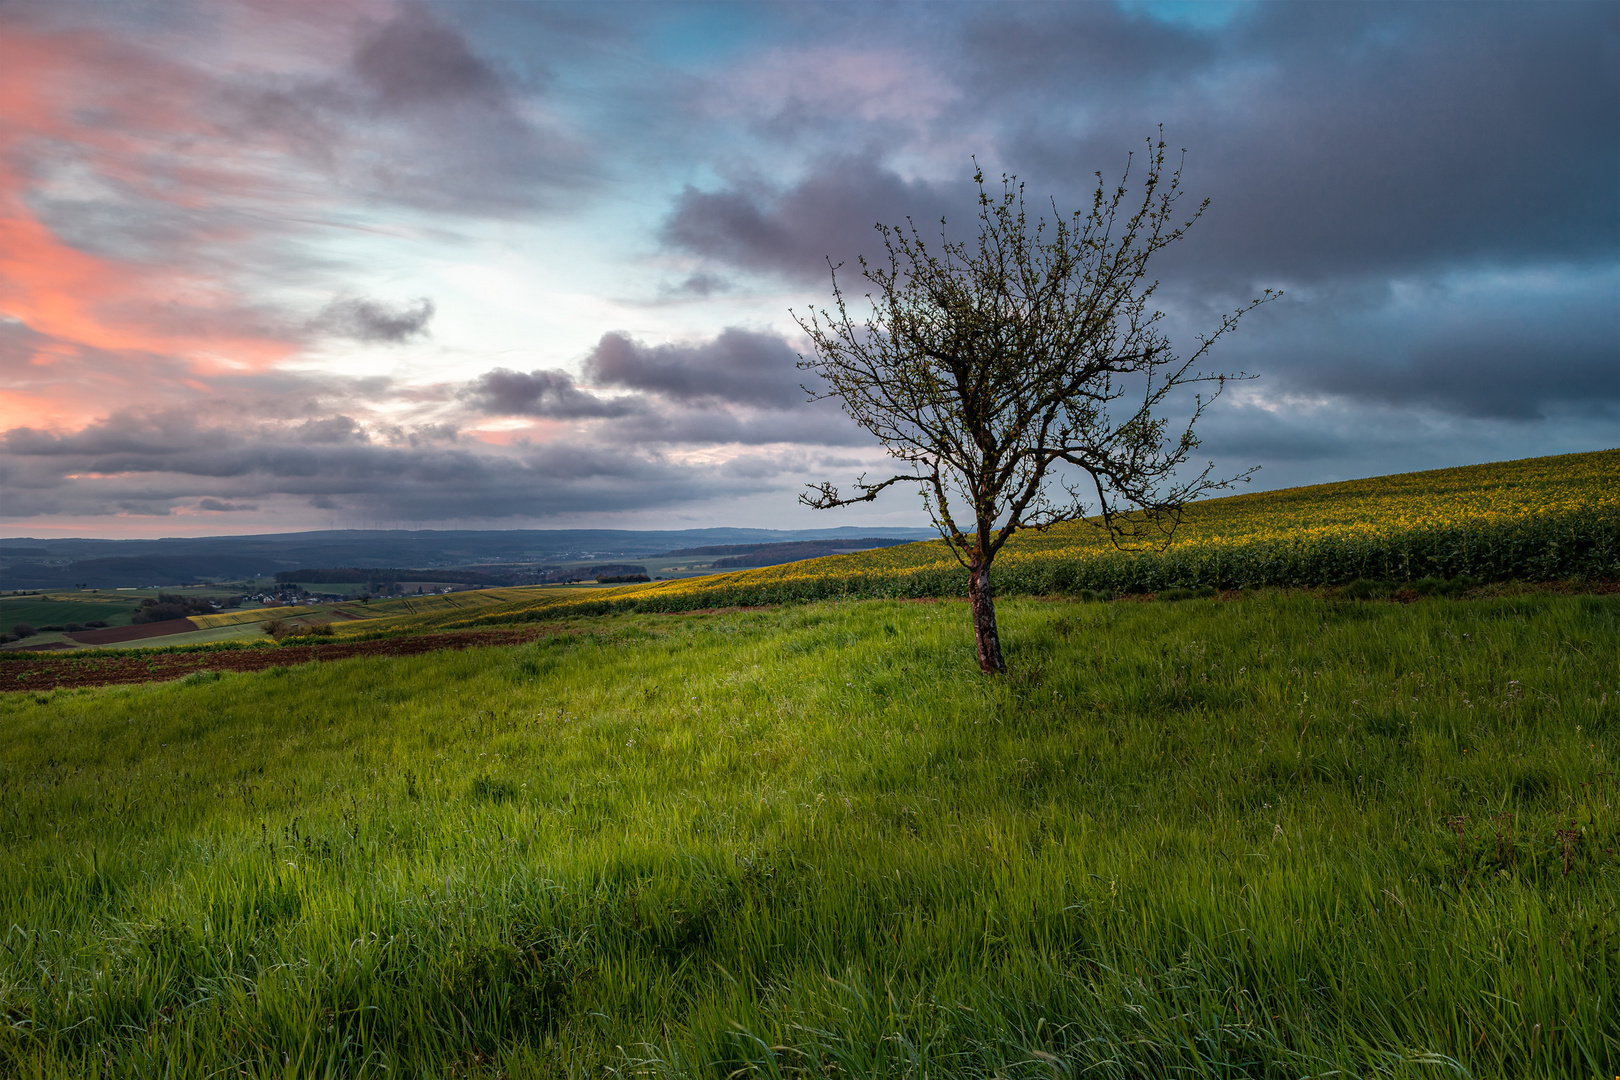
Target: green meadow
45, 610
1277, 836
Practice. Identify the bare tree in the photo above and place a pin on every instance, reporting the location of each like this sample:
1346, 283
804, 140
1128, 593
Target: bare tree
987, 368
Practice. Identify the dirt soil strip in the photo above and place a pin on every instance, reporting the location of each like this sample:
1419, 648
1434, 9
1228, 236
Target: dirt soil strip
80, 669
138, 632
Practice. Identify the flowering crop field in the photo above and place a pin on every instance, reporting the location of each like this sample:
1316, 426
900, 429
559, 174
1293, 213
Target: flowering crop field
460, 602
251, 615
1538, 519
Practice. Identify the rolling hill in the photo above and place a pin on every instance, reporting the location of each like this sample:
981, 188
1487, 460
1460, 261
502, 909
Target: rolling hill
1538, 519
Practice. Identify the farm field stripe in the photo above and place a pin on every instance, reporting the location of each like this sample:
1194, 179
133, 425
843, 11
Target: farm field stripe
84, 669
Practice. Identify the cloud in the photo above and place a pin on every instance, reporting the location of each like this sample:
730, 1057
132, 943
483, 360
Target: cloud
709, 424
1093, 48
1333, 139
737, 365
167, 188
182, 186
1510, 376
418, 118
740, 387
416, 61
1311, 439
373, 321
329, 431
158, 464
1511, 345
132, 225
549, 394
700, 284
283, 443
794, 231
1383, 165
58, 384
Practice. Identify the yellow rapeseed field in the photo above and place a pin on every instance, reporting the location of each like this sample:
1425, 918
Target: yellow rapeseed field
441, 603
250, 615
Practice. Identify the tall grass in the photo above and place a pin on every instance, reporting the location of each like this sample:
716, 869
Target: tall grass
1279, 837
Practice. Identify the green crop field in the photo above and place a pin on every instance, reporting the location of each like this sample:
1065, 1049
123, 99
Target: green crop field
203, 636
52, 609
1280, 836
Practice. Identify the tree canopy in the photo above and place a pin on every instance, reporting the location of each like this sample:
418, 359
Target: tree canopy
1023, 379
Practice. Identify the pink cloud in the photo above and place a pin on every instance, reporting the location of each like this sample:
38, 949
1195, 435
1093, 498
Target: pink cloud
81, 111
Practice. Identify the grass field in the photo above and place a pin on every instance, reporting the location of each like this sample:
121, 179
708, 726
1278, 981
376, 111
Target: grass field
1275, 837
51, 610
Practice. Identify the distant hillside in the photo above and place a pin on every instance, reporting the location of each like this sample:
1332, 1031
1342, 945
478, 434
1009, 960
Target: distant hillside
493, 576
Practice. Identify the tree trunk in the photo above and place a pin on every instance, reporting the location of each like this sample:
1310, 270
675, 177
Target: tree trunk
983, 604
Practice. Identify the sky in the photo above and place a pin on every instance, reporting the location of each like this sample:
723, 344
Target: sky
269, 265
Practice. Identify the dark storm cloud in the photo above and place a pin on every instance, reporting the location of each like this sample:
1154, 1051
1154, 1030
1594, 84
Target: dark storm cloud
1505, 346
741, 387
179, 441
159, 463
1242, 431
1510, 379
550, 394
1405, 172
738, 365
1475, 374
1333, 139
329, 431
368, 320
793, 231
1316, 440
1338, 139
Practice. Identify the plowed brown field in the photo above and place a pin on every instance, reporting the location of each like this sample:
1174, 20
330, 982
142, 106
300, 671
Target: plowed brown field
88, 669
114, 635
